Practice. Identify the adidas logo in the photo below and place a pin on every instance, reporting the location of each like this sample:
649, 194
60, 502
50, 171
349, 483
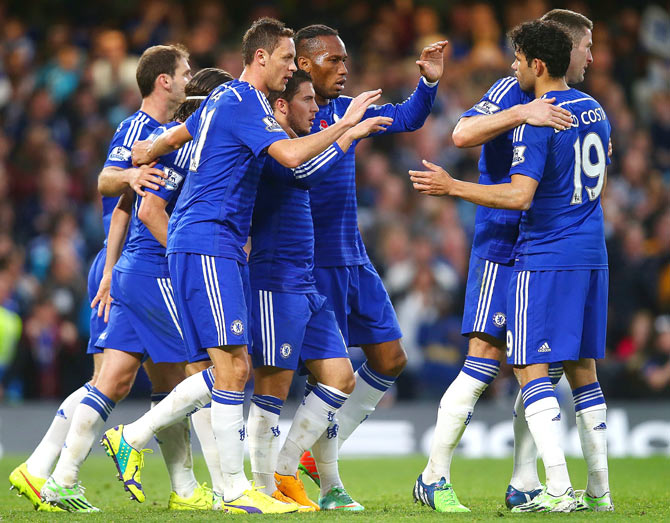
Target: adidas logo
544, 347
602, 426
557, 418
61, 414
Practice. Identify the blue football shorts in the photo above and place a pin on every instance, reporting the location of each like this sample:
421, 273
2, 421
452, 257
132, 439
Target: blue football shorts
556, 316
143, 318
486, 297
361, 304
211, 294
288, 329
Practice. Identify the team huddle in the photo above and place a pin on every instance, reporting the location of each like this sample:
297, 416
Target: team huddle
209, 162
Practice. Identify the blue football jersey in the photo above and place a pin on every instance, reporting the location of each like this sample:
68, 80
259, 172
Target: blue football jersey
142, 253
231, 130
564, 228
496, 230
282, 233
334, 208
137, 126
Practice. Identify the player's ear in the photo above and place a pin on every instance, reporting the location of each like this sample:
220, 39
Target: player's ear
304, 64
164, 80
261, 56
281, 105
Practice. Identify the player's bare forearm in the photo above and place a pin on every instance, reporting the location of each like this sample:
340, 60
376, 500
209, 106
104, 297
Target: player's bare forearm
477, 130
144, 152
292, 153
153, 215
500, 196
118, 229
112, 181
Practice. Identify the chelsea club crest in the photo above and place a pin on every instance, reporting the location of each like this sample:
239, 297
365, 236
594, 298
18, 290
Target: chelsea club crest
499, 319
237, 327
285, 350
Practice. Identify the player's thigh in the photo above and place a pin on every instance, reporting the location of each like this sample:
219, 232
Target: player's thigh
211, 295
372, 319
97, 365
546, 321
278, 324
485, 310
194, 367
482, 345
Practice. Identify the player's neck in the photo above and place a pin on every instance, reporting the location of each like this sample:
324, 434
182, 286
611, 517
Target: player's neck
320, 100
254, 77
547, 83
158, 108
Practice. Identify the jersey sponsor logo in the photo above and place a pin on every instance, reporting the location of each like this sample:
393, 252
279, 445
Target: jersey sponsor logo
323, 124
544, 347
237, 327
499, 319
285, 350
173, 179
518, 155
119, 154
271, 125
486, 107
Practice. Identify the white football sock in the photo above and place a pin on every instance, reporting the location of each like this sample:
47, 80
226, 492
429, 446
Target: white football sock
369, 390
175, 444
317, 411
454, 414
524, 475
543, 417
42, 460
229, 432
202, 424
87, 423
190, 394
592, 428
325, 454
263, 428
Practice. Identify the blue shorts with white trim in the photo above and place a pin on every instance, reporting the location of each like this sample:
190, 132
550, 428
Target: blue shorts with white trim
212, 294
289, 329
486, 297
97, 324
361, 304
143, 318
556, 316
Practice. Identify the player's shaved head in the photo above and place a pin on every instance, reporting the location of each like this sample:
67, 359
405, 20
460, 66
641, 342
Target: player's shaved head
575, 24
307, 41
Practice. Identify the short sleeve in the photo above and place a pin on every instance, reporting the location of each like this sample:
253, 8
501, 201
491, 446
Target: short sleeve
255, 125
503, 94
119, 153
193, 120
530, 150
167, 191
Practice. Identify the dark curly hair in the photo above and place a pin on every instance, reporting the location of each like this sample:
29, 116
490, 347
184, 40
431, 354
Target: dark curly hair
546, 41
202, 83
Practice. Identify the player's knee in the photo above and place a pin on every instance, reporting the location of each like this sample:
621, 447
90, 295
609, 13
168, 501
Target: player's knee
391, 361
346, 383
117, 390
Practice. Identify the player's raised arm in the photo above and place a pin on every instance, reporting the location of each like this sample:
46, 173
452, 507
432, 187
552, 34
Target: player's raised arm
516, 195
471, 131
294, 152
146, 151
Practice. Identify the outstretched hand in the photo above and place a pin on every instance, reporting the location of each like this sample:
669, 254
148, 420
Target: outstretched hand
359, 105
431, 61
435, 182
370, 126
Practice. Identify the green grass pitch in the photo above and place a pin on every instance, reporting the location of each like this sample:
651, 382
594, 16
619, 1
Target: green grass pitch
641, 489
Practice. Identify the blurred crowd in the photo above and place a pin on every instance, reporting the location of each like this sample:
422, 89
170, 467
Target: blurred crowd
67, 78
